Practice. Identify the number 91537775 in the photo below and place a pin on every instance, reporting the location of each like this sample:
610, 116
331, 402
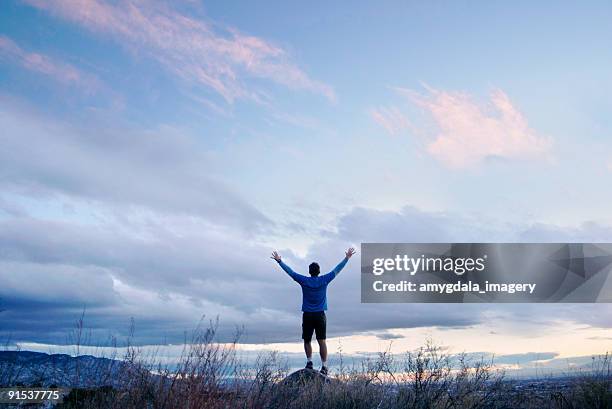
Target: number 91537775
31, 395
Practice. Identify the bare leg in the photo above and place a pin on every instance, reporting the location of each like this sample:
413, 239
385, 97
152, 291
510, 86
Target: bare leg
308, 349
322, 349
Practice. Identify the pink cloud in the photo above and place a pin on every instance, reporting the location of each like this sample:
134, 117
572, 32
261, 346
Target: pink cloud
467, 132
390, 118
194, 50
43, 64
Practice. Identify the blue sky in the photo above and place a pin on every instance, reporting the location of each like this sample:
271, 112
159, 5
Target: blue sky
153, 154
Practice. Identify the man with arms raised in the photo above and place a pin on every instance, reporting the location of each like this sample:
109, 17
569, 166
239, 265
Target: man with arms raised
314, 304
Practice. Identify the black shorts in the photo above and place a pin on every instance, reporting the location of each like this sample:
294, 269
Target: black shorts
314, 321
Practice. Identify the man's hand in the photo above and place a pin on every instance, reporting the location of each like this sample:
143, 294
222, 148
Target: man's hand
350, 252
275, 256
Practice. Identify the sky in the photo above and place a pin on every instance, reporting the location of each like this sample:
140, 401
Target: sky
153, 154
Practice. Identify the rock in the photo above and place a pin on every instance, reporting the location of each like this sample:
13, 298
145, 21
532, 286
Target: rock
304, 376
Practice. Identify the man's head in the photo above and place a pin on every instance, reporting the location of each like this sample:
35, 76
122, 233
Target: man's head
313, 269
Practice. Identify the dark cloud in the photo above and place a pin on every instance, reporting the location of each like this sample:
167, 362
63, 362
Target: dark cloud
39, 284
524, 358
388, 336
169, 270
78, 263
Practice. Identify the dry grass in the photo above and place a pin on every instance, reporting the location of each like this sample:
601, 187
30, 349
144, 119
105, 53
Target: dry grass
210, 374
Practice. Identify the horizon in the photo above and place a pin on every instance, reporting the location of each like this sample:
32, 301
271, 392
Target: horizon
155, 153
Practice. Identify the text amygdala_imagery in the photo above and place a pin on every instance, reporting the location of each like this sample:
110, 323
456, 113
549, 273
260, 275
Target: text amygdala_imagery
450, 288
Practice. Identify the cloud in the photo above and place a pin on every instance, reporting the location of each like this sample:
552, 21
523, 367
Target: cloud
410, 224
56, 70
525, 358
166, 271
390, 118
66, 280
385, 336
167, 280
162, 170
467, 132
197, 51
585, 232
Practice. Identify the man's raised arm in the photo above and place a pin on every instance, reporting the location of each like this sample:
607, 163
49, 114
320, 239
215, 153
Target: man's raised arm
332, 274
297, 277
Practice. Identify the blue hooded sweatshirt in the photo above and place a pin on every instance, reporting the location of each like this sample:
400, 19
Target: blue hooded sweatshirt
314, 289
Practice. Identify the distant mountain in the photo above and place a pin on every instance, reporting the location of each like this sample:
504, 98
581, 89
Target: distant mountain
40, 369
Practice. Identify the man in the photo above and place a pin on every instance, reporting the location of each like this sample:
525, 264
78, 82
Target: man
314, 304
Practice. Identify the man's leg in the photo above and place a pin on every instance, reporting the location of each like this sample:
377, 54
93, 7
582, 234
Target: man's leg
321, 330
307, 330
322, 350
308, 350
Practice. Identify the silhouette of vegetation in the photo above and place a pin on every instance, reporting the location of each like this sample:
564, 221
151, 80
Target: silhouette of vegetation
210, 374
